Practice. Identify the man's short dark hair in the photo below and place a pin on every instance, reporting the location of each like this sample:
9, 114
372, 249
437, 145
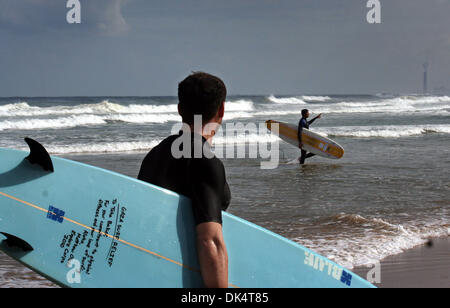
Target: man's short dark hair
200, 94
304, 112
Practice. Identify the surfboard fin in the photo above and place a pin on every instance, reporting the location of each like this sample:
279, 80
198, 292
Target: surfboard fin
13, 241
39, 155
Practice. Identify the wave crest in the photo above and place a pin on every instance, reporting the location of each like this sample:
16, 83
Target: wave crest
353, 240
388, 131
286, 100
316, 98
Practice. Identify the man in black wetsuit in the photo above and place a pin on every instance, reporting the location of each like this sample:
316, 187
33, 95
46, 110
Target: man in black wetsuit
304, 123
199, 177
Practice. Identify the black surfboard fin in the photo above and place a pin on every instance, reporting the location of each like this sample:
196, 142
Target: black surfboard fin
39, 155
14, 241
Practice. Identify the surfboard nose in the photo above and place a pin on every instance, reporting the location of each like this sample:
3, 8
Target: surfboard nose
269, 124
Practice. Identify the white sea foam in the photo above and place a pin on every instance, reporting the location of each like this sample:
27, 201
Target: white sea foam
23, 109
420, 99
404, 104
243, 108
388, 131
239, 139
316, 98
84, 120
143, 118
110, 147
16, 109
239, 105
286, 100
372, 239
22, 116
63, 122
277, 112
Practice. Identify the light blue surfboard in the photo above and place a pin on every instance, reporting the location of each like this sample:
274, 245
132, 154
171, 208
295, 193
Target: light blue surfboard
82, 226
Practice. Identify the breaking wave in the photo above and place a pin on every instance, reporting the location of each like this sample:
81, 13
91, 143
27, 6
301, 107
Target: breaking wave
388, 131
23, 109
355, 240
286, 100
316, 98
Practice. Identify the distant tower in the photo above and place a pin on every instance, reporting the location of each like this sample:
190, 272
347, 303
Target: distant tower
425, 78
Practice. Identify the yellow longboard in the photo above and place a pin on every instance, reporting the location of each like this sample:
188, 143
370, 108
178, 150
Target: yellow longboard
312, 142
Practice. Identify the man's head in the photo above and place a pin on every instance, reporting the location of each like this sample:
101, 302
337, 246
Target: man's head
201, 94
305, 113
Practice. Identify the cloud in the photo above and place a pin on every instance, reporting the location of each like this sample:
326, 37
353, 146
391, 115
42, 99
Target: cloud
37, 16
106, 16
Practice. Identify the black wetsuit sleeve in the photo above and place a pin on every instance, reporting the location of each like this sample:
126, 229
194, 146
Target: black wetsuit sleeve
311, 122
207, 181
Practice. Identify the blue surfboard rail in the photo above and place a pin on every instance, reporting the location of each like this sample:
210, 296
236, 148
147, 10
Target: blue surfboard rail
91, 227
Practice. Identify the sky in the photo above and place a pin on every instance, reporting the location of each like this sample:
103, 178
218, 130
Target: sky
260, 47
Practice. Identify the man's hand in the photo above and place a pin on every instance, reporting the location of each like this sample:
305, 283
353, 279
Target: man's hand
319, 116
212, 255
300, 145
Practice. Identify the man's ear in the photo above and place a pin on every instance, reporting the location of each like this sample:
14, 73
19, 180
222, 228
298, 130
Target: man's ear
180, 111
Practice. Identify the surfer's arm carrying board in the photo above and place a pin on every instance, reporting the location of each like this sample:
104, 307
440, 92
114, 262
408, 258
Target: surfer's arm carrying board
311, 142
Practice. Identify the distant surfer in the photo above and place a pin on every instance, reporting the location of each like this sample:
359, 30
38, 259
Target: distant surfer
304, 123
199, 177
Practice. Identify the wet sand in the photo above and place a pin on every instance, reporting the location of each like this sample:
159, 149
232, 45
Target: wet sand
427, 266
15, 275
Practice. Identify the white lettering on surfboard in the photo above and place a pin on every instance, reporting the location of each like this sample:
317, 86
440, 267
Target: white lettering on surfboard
108, 221
321, 264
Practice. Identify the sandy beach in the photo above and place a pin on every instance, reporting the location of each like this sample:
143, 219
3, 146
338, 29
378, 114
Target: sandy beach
427, 266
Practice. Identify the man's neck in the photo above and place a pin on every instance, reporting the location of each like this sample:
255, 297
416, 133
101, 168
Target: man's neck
200, 131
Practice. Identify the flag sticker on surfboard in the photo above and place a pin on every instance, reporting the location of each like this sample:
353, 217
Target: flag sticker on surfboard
55, 214
312, 142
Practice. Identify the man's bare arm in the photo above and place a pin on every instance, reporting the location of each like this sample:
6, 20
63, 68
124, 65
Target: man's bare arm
212, 255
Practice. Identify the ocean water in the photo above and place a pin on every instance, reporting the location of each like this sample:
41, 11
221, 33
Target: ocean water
390, 191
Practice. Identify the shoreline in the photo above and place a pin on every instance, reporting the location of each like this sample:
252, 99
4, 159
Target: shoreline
425, 266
